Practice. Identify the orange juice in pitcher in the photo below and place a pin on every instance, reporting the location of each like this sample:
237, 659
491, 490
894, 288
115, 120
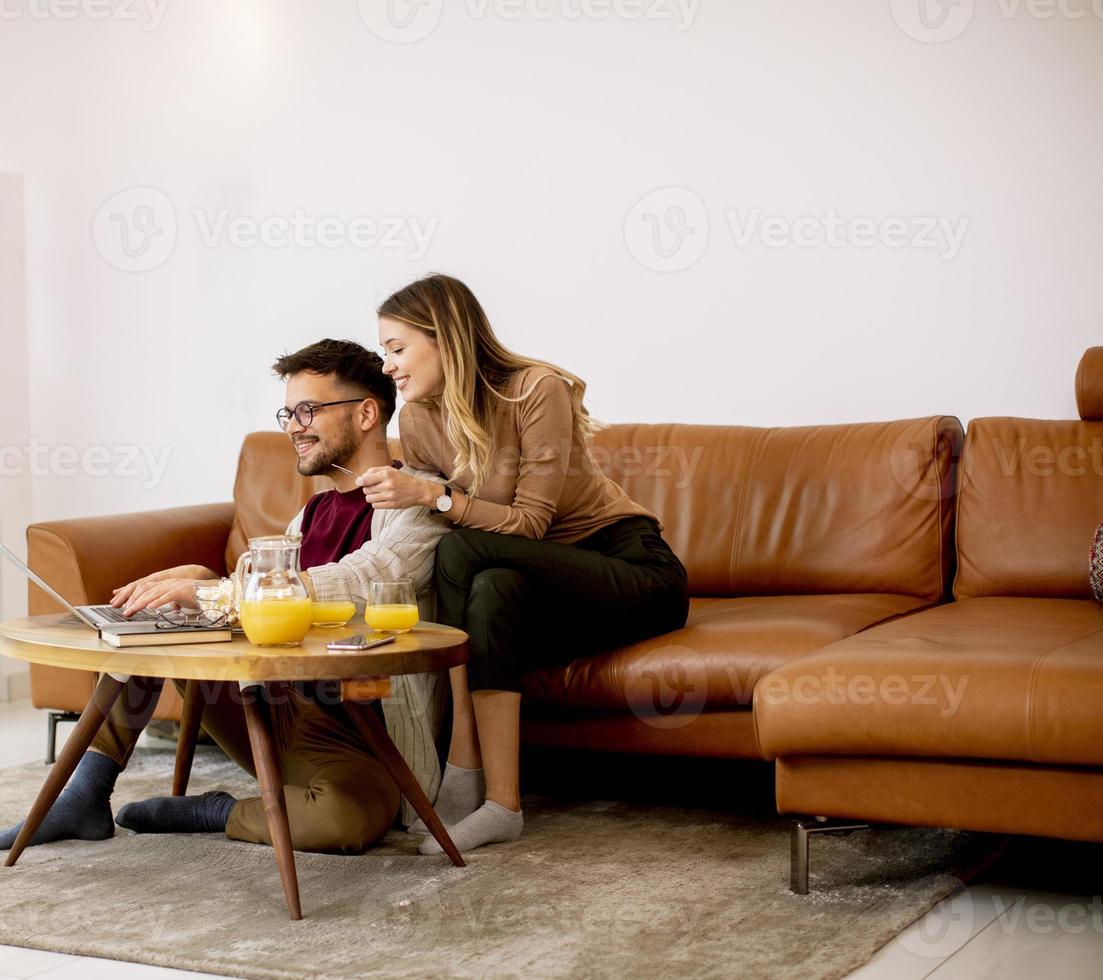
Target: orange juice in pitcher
275, 606
276, 622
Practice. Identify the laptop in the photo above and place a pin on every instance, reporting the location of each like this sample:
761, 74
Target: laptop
106, 619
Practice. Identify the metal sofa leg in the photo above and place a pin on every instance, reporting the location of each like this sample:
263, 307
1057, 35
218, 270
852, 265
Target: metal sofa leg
51, 732
799, 840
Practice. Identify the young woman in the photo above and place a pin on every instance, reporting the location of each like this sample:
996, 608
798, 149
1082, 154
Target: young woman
549, 560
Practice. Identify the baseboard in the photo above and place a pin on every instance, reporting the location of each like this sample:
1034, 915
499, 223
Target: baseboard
15, 687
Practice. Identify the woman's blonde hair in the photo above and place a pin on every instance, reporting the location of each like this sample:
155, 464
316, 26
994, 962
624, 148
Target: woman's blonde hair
477, 368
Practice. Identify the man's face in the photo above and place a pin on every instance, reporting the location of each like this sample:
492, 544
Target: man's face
336, 432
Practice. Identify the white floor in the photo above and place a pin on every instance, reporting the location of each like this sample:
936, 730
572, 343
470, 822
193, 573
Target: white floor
984, 931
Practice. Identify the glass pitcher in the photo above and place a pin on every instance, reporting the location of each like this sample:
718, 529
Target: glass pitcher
274, 604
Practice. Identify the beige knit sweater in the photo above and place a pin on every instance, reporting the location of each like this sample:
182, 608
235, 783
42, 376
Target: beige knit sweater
403, 545
543, 482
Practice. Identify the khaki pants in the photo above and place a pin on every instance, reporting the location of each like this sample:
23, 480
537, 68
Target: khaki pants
339, 797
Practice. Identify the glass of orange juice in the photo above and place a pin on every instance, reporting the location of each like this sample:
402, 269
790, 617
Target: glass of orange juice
333, 611
391, 606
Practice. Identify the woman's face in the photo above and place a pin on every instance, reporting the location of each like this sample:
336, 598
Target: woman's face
412, 358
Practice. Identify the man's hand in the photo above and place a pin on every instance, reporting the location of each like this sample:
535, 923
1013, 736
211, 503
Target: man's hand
386, 488
171, 585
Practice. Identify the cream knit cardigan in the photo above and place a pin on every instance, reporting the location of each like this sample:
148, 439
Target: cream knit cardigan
403, 545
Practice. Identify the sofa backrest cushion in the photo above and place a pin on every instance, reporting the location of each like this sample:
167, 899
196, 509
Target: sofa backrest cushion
857, 508
1029, 500
842, 508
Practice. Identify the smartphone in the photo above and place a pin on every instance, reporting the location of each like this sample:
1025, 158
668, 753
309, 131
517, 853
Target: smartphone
360, 641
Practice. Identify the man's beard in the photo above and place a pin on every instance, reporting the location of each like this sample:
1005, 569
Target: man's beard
344, 446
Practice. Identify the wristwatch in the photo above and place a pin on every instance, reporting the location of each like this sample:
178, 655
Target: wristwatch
443, 503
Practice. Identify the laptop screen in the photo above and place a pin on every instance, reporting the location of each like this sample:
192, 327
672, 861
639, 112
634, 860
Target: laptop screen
25, 569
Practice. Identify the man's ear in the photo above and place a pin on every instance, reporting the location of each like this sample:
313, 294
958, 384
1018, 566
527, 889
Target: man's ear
369, 414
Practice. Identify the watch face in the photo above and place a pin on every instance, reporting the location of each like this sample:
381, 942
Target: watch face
444, 503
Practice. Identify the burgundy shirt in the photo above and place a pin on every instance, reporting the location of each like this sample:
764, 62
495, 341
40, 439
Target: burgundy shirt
334, 524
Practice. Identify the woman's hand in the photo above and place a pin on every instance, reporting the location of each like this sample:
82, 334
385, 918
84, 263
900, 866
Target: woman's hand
386, 488
144, 591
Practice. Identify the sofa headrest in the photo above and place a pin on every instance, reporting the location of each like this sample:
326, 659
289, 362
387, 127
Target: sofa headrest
1089, 385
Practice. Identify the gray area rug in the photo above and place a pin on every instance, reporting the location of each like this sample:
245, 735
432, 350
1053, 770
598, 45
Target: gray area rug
593, 889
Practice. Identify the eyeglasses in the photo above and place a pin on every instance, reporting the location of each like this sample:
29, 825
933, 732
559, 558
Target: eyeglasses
303, 413
173, 619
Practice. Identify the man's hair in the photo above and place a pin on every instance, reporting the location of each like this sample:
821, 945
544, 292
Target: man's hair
352, 364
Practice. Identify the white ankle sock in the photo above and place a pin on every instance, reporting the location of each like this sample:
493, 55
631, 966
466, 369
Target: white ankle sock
492, 823
462, 792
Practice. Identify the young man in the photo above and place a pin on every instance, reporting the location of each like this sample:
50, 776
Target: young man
339, 796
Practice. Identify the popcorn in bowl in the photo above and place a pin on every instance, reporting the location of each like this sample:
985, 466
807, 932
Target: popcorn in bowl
218, 597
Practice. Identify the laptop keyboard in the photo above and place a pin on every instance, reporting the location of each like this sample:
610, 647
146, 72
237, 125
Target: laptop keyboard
113, 614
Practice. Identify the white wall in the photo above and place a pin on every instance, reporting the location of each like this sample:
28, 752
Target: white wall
15, 486
528, 143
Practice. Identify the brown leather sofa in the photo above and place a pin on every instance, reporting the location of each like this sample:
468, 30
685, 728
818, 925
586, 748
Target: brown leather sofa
793, 538
821, 562
1009, 737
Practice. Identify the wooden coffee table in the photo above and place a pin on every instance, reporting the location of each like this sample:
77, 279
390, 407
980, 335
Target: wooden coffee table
333, 679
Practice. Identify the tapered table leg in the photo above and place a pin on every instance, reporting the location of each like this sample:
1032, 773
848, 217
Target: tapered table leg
189, 732
271, 791
374, 732
106, 694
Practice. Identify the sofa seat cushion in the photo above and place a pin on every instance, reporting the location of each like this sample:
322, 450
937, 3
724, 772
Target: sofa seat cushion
713, 663
989, 678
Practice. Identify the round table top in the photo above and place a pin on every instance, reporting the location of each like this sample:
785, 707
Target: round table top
61, 640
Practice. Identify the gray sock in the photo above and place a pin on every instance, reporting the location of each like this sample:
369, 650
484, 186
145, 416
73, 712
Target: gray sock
82, 811
492, 823
204, 814
462, 792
